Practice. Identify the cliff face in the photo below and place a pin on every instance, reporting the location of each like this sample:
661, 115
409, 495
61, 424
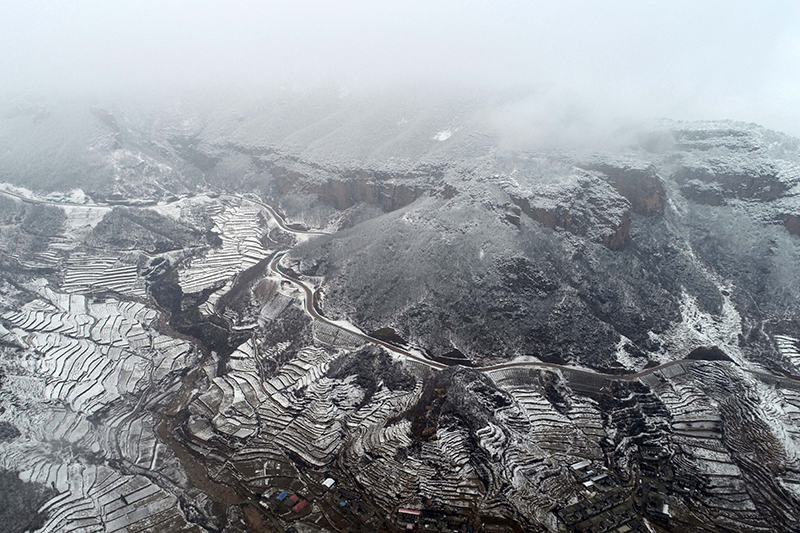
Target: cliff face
714, 180
741, 166
639, 184
345, 188
608, 223
589, 198
343, 194
615, 255
587, 208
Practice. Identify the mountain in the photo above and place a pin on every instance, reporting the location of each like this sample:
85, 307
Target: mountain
215, 309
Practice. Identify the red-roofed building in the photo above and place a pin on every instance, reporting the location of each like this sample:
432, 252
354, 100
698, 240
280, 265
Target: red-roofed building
299, 507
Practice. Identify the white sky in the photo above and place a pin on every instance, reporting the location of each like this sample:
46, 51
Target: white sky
678, 59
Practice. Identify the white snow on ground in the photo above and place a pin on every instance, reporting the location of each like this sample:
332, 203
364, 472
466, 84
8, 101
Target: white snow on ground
624, 358
414, 351
301, 236
240, 231
75, 196
698, 328
774, 406
443, 135
492, 439
15, 189
525, 360
788, 347
174, 209
81, 219
791, 486
347, 325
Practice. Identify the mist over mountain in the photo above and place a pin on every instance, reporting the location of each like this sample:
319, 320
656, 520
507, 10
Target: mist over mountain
400, 266
497, 277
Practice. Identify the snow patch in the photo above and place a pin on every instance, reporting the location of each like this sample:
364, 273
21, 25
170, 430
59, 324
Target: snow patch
790, 485
443, 135
624, 358
347, 325
75, 196
82, 219
698, 328
788, 347
773, 403
17, 190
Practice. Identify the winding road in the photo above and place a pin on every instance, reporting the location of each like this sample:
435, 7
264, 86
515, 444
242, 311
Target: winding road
310, 308
275, 266
279, 219
39, 201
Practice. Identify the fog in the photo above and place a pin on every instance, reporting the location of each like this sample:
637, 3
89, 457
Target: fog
576, 65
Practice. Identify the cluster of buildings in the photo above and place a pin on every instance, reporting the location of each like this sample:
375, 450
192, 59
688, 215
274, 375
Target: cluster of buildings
433, 521
607, 508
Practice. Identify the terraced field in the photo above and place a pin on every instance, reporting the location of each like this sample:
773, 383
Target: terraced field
84, 273
139, 428
788, 348
85, 377
241, 226
102, 361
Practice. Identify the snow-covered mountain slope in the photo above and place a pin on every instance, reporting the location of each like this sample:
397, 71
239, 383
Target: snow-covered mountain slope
329, 312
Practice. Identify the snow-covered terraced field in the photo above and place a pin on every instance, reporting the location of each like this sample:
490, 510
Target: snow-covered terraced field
708, 408
241, 229
83, 373
330, 335
49, 258
275, 307
90, 352
83, 273
367, 424
99, 499
573, 434
788, 347
241, 405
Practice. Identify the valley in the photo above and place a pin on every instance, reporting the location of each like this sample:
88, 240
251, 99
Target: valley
515, 342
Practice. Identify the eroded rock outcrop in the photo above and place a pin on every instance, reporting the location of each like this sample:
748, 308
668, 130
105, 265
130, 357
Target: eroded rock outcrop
579, 204
387, 191
714, 180
637, 182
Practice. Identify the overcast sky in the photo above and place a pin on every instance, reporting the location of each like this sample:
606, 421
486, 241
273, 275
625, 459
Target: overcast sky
677, 59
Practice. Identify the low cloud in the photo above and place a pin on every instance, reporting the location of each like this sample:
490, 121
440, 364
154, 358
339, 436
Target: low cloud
583, 66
